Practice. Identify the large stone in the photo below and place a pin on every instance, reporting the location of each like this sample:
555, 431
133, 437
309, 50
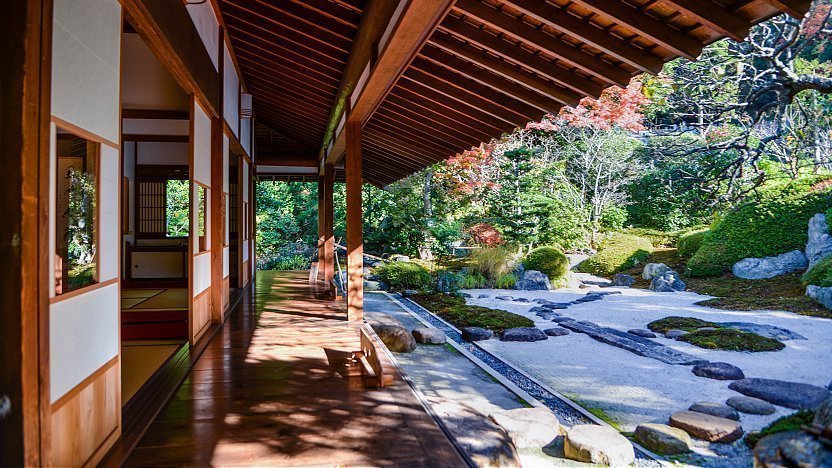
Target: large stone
823, 415
598, 444
555, 305
642, 333
525, 334
557, 331
620, 279
718, 371
715, 409
483, 296
707, 427
820, 294
769, 331
749, 405
562, 319
528, 427
663, 439
819, 244
533, 280
484, 441
651, 270
395, 337
476, 334
769, 267
791, 448
792, 395
426, 335
675, 334
375, 286
669, 281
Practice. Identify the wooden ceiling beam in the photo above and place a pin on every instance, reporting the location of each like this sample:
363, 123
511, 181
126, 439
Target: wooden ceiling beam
521, 31
646, 26
794, 8
405, 133
434, 113
289, 67
287, 38
498, 46
420, 123
566, 23
713, 16
332, 66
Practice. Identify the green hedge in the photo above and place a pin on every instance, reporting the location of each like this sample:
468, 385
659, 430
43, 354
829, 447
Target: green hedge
771, 225
549, 261
618, 252
454, 310
690, 242
404, 275
820, 274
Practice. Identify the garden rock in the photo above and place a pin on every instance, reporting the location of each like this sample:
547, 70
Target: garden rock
715, 409
521, 299
598, 444
749, 405
718, 371
562, 319
667, 281
642, 333
823, 415
791, 448
588, 298
663, 439
487, 443
707, 427
374, 286
425, 335
792, 395
556, 305
395, 337
399, 258
769, 267
409, 292
476, 334
674, 334
652, 270
819, 244
533, 280
525, 334
621, 279
768, 331
559, 331
528, 427
820, 294
504, 298
483, 296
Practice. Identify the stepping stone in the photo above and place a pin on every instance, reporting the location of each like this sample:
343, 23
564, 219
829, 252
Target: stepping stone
588, 298
663, 439
556, 331
528, 427
483, 296
538, 310
476, 334
718, 371
674, 334
749, 405
792, 395
601, 445
556, 305
634, 344
524, 334
562, 319
548, 316
607, 293
521, 299
642, 333
707, 427
504, 298
715, 409
426, 335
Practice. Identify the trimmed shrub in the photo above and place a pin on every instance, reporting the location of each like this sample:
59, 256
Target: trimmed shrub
472, 281
773, 224
690, 242
730, 339
506, 281
679, 323
491, 263
404, 275
617, 253
458, 313
820, 274
549, 261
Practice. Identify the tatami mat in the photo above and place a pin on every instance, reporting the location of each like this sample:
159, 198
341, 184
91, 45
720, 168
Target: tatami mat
128, 302
169, 299
139, 360
139, 293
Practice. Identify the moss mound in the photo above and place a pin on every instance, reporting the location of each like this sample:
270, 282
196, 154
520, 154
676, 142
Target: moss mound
774, 223
820, 274
679, 323
454, 310
792, 422
404, 275
617, 253
549, 261
689, 243
729, 339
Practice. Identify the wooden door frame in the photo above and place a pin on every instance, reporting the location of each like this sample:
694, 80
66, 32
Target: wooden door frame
26, 38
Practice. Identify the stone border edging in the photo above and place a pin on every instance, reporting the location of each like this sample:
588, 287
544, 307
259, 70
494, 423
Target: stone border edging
409, 305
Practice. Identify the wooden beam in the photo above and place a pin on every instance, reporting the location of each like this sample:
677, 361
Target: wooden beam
645, 25
713, 16
321, 235
414, 23
329, 221
217, 219
794, 8
355, 236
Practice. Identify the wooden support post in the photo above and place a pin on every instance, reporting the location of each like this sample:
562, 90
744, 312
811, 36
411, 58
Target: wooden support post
321, 218
217, 219
329, 214
355, 237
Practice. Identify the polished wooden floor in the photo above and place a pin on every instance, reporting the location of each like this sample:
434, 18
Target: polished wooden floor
272, 389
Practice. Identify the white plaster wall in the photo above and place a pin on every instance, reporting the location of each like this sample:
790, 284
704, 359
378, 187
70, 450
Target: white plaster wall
86, 52
244, 168
231, 88
202, 273
226, 253
156, 127
157, 264
245, 135
108, 208
245, 251
147, 83
202, 146
174, 153
83, 336
202, 14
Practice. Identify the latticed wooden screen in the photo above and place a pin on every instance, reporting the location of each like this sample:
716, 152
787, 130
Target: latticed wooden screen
232, 209
150, 209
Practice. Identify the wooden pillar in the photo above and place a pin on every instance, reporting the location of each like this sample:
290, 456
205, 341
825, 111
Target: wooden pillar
217, 218
355, 237
321, 218
329, 214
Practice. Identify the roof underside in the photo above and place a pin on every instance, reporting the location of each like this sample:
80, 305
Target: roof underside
489, 67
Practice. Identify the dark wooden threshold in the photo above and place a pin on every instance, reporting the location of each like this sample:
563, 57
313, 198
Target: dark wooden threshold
142, 409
